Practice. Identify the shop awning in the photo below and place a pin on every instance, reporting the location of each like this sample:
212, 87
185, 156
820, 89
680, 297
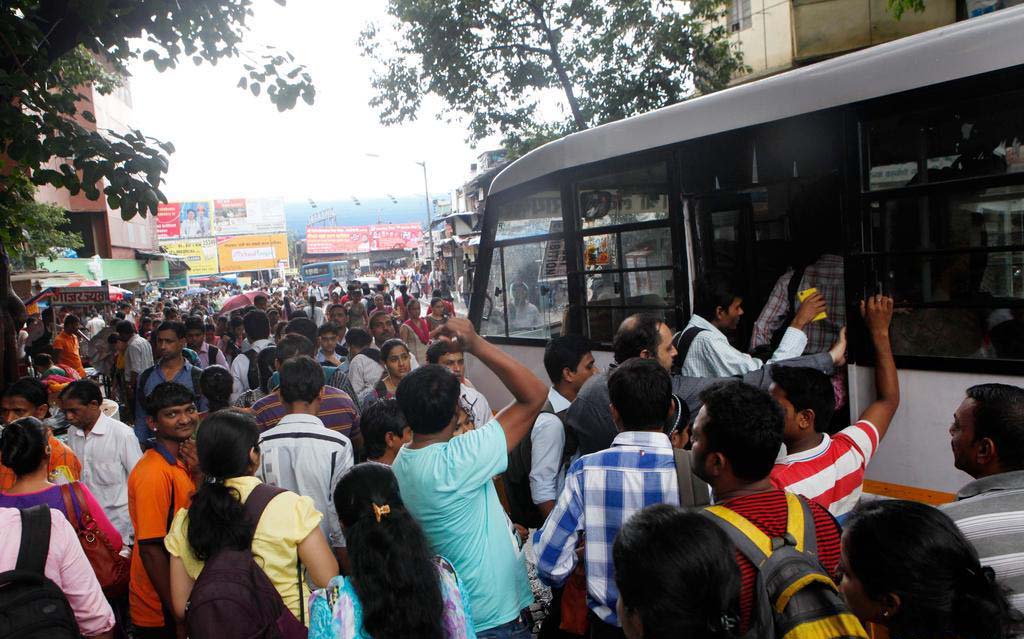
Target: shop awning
174, 262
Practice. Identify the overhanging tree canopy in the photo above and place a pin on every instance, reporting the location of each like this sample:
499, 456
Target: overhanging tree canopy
49, 48
499, 63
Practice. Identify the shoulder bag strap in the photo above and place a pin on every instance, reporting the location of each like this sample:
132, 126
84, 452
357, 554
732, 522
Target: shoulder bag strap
35, 539
83, 506
69, 506
800, 524
748, 538
258, 500
693, 491
685, 340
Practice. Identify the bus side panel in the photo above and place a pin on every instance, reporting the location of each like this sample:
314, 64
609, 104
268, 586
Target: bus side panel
915, 461
531, 356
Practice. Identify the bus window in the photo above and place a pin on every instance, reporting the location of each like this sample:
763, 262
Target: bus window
492, 322
539, 213
636, 195
536, 301
969, 139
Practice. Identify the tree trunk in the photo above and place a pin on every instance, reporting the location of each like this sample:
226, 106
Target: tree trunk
556, 61
12, 318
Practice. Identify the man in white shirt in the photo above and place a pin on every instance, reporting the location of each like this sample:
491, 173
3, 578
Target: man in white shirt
95, 324
536, 466
704, 349
138, 356
363, 369
451, 356
107, 449
257, 332
300, 454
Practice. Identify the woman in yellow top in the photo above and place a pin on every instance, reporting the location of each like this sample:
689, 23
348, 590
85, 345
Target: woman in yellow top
229, 454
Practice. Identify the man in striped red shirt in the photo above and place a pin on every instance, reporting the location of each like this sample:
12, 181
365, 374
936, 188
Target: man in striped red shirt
830, 470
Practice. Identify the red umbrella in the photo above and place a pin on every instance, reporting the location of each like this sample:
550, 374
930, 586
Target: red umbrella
240, 301
116, 292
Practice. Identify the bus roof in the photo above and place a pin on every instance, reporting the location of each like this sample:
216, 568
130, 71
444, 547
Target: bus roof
967, 48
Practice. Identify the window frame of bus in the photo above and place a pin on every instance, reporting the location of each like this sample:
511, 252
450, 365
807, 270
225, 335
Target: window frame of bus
671, 222
488, 244
572, 238
996, 86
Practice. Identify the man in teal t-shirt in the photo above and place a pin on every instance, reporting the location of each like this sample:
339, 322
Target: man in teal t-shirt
447, 482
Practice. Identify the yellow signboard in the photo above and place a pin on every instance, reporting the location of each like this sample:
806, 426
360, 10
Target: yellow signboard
251, 252
201, 254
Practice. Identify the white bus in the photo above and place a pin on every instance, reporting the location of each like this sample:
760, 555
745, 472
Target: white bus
907, 159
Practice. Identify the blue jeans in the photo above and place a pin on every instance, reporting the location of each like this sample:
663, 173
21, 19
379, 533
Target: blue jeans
511, 630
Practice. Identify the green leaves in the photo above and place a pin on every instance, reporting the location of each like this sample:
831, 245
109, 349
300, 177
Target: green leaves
499, 64
49, 56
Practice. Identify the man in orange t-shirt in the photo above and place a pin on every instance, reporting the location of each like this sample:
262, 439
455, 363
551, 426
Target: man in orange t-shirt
66, 345
160, 484
27, 397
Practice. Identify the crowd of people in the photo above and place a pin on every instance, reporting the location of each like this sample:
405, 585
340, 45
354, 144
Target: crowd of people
298, 460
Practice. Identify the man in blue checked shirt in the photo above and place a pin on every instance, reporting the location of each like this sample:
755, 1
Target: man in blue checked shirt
602, 490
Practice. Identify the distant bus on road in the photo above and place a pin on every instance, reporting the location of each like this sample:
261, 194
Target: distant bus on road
324, 272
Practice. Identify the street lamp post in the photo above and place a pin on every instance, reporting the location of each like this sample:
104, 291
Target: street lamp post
430, 228
426, 198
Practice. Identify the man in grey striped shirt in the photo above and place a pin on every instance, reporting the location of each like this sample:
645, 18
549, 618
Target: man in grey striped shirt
988, 444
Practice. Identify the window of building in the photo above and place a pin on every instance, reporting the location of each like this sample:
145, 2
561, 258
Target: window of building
739, 15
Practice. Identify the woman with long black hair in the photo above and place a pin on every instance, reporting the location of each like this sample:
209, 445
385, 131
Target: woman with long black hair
397, 587
676, 576
288, 531
906, 566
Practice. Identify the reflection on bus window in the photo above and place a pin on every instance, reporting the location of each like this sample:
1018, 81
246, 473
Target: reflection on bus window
538, 292
971, 139
636, 195
492, 320
539, 213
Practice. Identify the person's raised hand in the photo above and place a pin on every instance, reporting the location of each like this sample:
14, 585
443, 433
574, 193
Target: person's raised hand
809, 309
877, 313
459, 329
838, 350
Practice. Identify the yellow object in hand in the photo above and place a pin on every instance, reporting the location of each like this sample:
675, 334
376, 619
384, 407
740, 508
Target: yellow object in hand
804, 294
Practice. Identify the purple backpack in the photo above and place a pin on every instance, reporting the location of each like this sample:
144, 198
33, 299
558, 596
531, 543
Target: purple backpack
234, 599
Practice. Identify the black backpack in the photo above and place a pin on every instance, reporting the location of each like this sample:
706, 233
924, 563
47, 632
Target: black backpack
32, 606
234, 599
793, 596
258, 373
517, 476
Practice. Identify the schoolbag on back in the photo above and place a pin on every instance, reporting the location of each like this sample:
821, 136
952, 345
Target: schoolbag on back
517, 478
258, 373
32, 606
794, 598
234, 599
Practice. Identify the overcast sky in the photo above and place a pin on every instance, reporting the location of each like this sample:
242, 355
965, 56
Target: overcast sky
229, 143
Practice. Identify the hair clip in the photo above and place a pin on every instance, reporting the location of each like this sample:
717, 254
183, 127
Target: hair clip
380, 511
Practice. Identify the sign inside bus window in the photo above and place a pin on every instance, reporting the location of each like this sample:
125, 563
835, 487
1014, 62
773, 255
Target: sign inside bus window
537, 214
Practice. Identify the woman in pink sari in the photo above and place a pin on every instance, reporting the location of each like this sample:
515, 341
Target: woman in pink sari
415, 331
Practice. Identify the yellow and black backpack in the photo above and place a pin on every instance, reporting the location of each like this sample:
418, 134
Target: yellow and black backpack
794, 597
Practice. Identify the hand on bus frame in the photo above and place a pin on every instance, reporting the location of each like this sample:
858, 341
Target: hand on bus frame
877, 313
838, 350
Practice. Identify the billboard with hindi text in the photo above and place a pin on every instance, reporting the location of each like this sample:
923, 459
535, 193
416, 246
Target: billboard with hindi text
322, 240
200, 254
251, 252
216, 218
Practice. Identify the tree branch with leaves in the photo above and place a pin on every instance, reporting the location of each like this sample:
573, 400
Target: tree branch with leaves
500, 64
49, 49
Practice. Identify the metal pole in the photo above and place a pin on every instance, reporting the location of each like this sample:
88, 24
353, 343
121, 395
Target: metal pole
426, 197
